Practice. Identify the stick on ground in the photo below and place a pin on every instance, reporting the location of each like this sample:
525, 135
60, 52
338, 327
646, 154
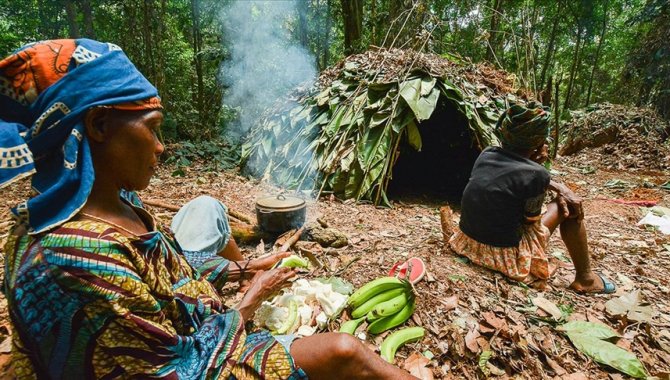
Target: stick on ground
168, 206
292, 240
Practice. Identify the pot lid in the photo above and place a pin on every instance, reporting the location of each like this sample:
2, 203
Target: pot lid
280, 202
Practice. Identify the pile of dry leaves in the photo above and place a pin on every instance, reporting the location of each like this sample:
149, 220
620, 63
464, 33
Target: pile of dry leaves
618, 137
392, 65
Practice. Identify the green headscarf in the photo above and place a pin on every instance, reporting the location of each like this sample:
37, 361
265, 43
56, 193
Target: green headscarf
523, 128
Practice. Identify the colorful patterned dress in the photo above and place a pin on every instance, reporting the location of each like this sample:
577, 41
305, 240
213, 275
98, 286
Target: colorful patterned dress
87, 301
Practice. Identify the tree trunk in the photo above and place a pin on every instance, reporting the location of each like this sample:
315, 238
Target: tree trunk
87, 12
545, 95
302, 23
573, 68
156, 11
326, 50
147, 40
495, 34
552, 43
71, 14
598, 50
373, 22
197, 58
557, 115
352, 14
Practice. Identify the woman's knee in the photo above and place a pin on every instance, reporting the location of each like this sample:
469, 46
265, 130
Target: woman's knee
345, 347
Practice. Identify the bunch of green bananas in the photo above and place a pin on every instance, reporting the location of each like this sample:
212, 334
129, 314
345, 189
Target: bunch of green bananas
385, 303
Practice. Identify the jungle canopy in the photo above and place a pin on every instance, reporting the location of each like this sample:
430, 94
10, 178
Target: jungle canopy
419, 119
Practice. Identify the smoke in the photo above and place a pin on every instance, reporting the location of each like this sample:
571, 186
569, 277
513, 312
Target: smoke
265, 61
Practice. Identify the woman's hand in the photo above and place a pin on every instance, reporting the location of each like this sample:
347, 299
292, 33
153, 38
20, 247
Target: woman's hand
263, 286
249, 268
569, 202
540, 155
266, 262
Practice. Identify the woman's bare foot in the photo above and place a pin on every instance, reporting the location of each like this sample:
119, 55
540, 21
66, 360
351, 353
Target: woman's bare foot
589, 283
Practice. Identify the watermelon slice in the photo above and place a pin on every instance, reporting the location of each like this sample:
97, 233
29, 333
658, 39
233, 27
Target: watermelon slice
413, 270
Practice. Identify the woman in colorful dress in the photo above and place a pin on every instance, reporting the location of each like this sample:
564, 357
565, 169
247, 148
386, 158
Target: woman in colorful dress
97, 289
502, 226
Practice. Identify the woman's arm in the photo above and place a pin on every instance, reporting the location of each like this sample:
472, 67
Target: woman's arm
263, 286
569, 202
219, 270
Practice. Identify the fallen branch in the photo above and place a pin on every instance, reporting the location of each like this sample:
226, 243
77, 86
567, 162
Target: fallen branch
292, 240
246, 233
240, 216
243, 231
171, 207
157, 203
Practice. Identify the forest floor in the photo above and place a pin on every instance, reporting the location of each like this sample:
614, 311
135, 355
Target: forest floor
465, 309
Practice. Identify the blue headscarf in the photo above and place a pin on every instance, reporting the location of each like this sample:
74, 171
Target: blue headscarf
46, 88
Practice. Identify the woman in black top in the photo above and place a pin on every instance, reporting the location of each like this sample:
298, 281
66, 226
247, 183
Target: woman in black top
502, 226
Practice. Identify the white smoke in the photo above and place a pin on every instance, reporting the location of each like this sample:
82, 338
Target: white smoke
265, 62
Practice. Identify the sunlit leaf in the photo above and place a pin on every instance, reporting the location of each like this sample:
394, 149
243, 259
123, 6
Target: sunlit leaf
591, 339
413, 136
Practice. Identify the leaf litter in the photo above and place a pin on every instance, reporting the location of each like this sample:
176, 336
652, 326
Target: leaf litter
469, 311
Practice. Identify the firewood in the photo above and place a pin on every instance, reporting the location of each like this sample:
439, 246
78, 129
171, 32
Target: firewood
292, 240
168, 206
246, 234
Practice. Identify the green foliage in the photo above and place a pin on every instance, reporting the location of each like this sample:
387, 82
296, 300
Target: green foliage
593, 340
215, 155
179, 46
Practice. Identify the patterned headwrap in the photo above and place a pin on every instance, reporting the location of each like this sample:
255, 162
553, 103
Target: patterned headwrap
46, 88
523, 128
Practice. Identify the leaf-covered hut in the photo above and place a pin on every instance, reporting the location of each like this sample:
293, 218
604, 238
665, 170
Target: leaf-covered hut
417, 119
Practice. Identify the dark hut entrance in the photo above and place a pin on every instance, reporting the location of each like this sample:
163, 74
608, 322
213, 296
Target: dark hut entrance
442, 168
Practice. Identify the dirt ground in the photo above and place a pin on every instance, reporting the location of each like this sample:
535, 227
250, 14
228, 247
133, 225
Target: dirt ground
467, 310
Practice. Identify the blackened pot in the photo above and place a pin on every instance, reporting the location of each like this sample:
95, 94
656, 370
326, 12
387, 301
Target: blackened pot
278, 214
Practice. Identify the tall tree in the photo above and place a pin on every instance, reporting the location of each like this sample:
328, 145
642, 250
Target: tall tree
87, 13
197, 56
552, 42
648, 61
496, 35
601, 40
326, 38
352, 15
71, 13
303, 8
576, 59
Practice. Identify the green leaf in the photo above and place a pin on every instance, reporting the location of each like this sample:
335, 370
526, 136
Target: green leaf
412, 90
609, 354
368, 147
353, 181
375, 152
483, 360
595, 330
590, 339
379, 118
413, 136
334, 125
348, 159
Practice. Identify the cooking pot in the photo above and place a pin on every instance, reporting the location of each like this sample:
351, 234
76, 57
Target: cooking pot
277, 214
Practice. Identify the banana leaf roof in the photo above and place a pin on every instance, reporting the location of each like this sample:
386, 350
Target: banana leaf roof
343, 133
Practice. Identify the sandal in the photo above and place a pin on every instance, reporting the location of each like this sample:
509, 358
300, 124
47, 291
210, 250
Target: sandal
609, 286
413, 270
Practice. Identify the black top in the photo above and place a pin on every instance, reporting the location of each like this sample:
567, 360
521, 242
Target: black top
503, 190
